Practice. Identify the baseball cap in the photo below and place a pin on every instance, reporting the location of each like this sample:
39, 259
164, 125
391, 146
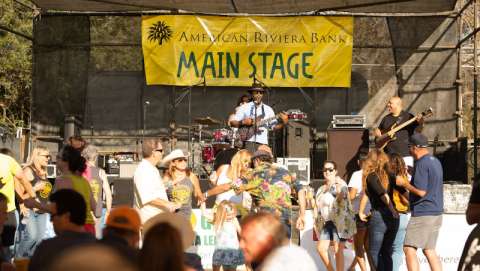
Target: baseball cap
256, 87
124, 217
419, 140
259, 153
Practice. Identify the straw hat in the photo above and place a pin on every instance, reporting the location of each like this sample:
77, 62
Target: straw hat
175, 154
179, 222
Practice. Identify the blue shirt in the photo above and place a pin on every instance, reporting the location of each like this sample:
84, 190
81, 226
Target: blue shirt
428, 176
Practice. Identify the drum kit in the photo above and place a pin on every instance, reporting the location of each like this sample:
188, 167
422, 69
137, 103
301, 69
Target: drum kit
211, 138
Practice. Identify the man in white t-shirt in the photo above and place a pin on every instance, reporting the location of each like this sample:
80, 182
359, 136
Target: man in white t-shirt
150, 195
247, 114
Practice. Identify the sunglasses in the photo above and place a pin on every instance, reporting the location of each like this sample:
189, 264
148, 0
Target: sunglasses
159, 150
46, 155
330, 169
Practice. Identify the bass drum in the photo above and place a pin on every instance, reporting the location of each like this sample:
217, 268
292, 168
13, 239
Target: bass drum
208, 154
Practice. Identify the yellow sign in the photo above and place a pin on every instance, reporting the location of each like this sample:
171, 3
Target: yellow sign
302, 51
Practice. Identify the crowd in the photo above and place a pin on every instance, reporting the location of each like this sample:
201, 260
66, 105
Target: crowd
391, 207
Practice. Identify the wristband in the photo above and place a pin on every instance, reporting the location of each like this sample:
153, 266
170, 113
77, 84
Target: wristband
206, 195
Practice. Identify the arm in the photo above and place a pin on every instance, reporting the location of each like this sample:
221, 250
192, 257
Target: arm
163, 204
219, 189
27, 186
410, 188
361, 209
386, 199
302, 204
106, 190
352, 193
196, 188
377, 132
237, 225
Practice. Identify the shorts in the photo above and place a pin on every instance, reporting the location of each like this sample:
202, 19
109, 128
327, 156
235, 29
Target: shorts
422, 231
329, 232
228, 258
360, 223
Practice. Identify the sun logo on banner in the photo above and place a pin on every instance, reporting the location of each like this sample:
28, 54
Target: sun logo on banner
159, 32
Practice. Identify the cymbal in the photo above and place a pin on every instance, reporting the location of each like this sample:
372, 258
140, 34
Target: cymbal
207, 121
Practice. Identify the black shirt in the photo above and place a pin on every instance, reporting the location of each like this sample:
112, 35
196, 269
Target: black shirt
224, 157
475, 196
400, 144
50, 249
375, 191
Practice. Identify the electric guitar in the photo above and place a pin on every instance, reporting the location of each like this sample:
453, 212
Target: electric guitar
388, 136
246, 132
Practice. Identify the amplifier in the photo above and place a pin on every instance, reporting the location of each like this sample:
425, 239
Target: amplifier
127, 169
349, 121
51, 171
298, 167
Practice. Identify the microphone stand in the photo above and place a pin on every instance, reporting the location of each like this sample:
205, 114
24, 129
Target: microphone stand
188, 91
274, 140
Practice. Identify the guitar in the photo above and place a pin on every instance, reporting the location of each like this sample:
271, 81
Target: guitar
246, 132
387, 137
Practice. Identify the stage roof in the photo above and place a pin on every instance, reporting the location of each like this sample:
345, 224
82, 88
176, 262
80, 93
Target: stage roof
249, 6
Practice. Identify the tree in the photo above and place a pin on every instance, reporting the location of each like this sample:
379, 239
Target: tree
16, 25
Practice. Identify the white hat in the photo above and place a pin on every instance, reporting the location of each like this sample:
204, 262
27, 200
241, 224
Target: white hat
175, 154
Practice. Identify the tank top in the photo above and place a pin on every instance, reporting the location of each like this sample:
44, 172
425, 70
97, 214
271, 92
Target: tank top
97, 189
43, 194
81, 185
229, 195
226, 236
181, 193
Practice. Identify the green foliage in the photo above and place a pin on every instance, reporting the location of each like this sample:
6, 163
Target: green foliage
16, 63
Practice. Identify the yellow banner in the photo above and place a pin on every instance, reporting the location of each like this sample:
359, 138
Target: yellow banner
303, 51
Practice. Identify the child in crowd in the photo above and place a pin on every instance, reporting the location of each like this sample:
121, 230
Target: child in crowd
227, 250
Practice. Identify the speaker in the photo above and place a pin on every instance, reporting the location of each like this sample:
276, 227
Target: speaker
122, 191
298, 167
292, 141
51, 171
343, 146
127, 169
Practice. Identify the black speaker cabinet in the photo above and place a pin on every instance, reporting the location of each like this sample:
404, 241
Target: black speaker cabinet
123, 191
343, 146
298, 140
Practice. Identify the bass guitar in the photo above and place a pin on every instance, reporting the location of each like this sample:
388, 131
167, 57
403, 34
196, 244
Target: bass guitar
389, 136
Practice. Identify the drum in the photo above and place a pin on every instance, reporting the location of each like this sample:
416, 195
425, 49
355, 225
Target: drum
208, 154
222, 136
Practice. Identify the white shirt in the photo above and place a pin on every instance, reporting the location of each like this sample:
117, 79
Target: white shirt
229, 195
148, 187
288, 258
356, 182
248, 111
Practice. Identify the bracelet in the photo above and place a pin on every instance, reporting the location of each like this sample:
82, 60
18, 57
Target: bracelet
206, 194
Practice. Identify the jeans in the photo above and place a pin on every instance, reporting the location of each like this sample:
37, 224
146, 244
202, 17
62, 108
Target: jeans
381, 232
31, 231
397, 255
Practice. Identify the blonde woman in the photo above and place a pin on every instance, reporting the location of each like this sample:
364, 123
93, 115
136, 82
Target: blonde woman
35, 225
180, 182
229, 175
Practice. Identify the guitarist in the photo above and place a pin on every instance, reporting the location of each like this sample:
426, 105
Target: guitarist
396, 117
249, 114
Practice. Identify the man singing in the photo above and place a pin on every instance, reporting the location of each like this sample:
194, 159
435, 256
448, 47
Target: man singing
255, 118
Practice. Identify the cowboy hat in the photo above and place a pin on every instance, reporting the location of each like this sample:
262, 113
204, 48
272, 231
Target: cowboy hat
175, 154
256, 87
